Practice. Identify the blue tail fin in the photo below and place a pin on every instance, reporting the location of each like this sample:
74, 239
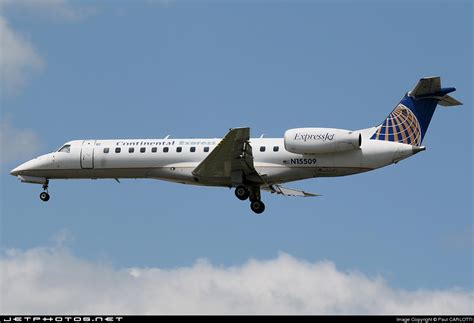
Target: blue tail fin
410, 119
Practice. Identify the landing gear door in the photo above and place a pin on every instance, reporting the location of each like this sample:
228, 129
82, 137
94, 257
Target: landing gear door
87, 154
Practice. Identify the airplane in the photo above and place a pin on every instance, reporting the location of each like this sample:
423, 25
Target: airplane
246, 164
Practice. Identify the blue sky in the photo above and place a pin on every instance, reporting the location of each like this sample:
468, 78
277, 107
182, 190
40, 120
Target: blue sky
80, 70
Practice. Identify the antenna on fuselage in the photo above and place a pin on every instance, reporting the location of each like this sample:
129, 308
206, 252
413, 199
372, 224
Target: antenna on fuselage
262, 135
167, 136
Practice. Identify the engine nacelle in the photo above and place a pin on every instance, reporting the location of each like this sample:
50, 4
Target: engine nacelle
321, 140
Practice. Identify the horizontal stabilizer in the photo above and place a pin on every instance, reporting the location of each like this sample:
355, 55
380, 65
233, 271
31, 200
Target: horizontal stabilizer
426, 86
277, 189
430, 88
448, 101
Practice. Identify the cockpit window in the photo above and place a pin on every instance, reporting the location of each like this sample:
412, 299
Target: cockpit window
65, 149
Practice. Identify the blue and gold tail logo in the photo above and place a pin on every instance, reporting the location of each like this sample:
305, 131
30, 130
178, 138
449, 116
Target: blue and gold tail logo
400, 126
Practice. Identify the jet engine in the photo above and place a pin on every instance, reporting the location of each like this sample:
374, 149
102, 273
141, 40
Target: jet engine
321, 140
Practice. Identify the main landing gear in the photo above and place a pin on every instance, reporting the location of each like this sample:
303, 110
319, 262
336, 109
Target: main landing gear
253, 194
44, 196
257, 206
242, 193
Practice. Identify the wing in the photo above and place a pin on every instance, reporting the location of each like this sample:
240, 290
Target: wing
277, 189
231, 160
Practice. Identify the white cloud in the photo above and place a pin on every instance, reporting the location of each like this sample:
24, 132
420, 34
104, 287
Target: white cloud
16, 144
18, 59
54, 281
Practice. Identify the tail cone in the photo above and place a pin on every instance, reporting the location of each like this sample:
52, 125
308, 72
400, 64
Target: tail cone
417, 149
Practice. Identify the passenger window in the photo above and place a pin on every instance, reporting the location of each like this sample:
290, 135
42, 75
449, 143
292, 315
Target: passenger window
276, 148
142, 150
117, 150
131, 150
262, 148
165, 149
106, 150
154, 150
206, 149
179, 149
192, 149
65, 149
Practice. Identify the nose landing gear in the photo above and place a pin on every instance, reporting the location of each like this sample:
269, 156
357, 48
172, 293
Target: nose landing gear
44, 196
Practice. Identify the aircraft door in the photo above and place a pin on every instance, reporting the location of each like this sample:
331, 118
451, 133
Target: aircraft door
87, 154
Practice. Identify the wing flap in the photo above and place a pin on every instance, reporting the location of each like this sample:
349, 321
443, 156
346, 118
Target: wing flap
277, 189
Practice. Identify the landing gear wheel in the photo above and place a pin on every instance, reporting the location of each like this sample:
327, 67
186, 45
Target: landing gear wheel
257, 206
242, 193
44, 197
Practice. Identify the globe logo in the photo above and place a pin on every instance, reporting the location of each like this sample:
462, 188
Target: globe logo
400, 126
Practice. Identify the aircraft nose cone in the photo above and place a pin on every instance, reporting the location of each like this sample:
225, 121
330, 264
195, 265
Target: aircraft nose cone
30, 167
27, 166
15, 171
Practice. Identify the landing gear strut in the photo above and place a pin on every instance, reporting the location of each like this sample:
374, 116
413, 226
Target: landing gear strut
44, 196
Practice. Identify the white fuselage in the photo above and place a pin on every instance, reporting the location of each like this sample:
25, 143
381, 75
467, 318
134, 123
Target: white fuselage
250, 164
175, 159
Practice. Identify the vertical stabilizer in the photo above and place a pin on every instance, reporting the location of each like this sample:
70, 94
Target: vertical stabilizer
409, 121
